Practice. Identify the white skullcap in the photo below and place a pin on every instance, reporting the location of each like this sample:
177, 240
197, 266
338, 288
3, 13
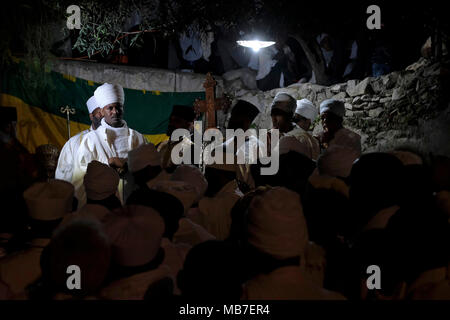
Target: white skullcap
334, 106
306, 109
142, 156
109, 93
291, 143
135, 233
181, 190
92, 104
49, 200
100, 181
193, 176
284, 102
337, 161
276, 224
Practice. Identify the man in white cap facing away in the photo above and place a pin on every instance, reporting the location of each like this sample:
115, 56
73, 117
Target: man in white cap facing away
304, 116
48, 203
332, 114
66, 158
108, 144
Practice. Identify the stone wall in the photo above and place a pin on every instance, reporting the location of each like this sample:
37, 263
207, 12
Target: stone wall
406, 109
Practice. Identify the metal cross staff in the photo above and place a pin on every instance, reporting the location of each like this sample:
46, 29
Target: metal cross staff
68, 110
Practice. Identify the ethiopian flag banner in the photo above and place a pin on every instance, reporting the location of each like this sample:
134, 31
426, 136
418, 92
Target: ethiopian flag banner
39, 97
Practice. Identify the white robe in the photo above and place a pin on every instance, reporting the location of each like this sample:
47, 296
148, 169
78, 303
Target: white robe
64, 170
311, 144
104, 143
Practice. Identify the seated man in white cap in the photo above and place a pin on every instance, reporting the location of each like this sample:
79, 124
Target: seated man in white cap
144, 163
48, 203
277, 238
135, 233
108, 144
81, 242
332, 114
66, 159
282, 112
304, 116
101, 182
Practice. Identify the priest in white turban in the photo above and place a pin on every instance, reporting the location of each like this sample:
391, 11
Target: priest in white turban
108, 144
64, 170
304, 116
332, 114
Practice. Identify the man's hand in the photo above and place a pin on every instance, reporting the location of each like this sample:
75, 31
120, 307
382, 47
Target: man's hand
119, 164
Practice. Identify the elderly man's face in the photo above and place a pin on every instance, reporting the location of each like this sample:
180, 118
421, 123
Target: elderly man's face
113, 114
96, 118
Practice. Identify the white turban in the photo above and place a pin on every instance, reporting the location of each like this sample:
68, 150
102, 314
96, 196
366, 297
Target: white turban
306, 109
193, 176
334, 106
49, 200
142, 156
284, 102
100, 180
109, 93
181, 190
337, 161
276, 224
92, 104
135, 233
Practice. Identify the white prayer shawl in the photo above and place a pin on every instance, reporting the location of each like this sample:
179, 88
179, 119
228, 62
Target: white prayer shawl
311, 144
64, 170
104, 143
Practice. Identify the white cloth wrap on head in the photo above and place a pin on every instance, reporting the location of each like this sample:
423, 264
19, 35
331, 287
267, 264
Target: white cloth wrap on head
306, 109
92, 104
284, 102
334, 106
276, 224
49, 200
135, 233
337, 161
143, 156
193, 176
181, 190
109, 93
100, 181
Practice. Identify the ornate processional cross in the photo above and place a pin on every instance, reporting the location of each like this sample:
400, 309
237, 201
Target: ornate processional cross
211, 104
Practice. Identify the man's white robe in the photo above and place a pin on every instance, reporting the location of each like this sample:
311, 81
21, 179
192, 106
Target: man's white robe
64, 170
102, 144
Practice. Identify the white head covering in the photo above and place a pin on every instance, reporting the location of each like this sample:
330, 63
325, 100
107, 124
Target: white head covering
135, 233
193, 176
276, 224
49, 200
181, 190
109, 93
306, 109
142, 156
92, 104
407, 157
100, 180
284, 102
334, 106
337, 161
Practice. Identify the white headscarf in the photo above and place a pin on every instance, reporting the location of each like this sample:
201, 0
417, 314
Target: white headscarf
306, 109
92, 104
100, 180
334, 106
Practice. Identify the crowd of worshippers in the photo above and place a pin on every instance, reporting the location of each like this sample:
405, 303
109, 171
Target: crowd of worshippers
349, 56
140, 227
